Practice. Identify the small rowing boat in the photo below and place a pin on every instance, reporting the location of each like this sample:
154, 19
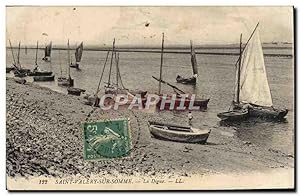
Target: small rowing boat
178, 133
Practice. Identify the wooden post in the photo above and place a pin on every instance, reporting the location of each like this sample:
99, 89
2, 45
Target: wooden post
161, 63
239, 73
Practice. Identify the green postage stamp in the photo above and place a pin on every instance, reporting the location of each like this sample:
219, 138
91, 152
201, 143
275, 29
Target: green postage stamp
106, 139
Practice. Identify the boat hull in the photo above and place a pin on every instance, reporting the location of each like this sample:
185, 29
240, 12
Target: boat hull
69, 82
43, 78
178, 133
75, 66
182, 80
235, 115
268, 113
40, 73
75, 91
202, 103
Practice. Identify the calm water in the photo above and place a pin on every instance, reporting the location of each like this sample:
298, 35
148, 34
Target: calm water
216, 81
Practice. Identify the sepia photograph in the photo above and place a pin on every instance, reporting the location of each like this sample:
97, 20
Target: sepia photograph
150, 98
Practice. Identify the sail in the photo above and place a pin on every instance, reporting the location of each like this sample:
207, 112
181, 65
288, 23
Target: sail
48, 49
254, 86
78, 52
193, 59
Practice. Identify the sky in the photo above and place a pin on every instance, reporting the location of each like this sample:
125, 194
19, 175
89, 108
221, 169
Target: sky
144, 25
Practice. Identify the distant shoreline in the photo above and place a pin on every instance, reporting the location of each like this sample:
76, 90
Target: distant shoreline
176, 50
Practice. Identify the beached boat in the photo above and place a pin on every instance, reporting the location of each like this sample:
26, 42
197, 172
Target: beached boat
78, 56
75, 91
118, 86
48, 49
202, 103
43, 78
65, 81
39, 73
192, 79
252, 89
16, 65
178, 133
36, 71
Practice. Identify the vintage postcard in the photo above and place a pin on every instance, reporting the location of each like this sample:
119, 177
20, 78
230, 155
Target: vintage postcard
150, 98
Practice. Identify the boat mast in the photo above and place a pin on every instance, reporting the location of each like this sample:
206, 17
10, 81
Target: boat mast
36, 52
111, 60
161, 63
12, 52
117, 68
60, 63
98, 87
69, 58
247, 42
239, 72
18, 57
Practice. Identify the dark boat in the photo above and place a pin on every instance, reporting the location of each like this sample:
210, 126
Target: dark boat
234, 115
267, 112
178, 133
202, 103
43, 78
69, 82
193, 79
47, 56
78, 56
75, 91
40, 73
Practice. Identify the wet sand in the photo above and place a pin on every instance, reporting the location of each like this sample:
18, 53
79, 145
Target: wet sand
45, 137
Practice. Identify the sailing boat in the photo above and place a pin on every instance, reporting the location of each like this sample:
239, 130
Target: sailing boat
37, 72
19, 71
78, 56
193, 79
9, 69
118, 87
64, 81
202, 103
40, 76
252, 92
48, 49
